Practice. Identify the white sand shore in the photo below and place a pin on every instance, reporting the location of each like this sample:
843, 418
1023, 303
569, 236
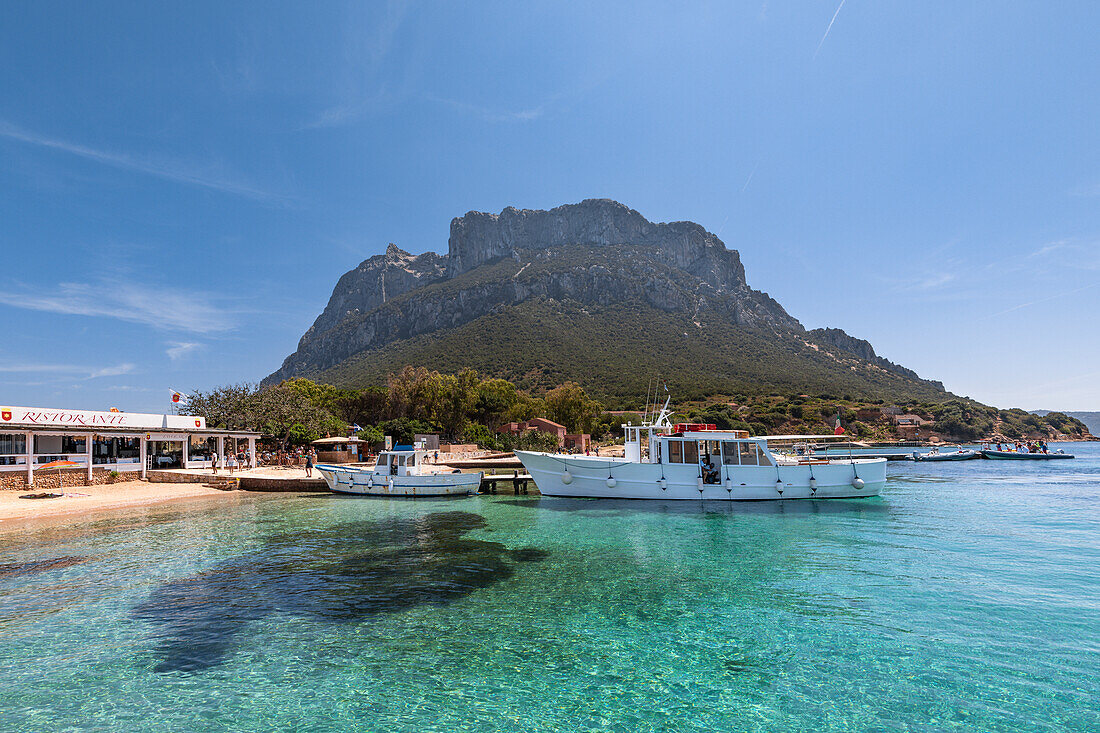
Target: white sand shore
86, 500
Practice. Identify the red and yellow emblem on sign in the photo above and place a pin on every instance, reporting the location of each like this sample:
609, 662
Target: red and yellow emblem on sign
5, 414
198, 423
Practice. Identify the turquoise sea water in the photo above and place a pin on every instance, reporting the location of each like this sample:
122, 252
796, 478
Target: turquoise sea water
967, 597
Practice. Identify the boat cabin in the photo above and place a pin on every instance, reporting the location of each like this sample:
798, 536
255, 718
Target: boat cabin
658, 444
403, 460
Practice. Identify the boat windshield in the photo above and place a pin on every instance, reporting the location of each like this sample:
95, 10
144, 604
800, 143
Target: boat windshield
383, 459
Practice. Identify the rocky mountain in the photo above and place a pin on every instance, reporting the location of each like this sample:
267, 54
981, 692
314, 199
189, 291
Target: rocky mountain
586, 292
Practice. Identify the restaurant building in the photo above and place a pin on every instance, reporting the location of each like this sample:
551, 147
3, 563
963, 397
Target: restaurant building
104, 442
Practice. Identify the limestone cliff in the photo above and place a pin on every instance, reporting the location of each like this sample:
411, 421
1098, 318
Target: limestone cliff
597, 253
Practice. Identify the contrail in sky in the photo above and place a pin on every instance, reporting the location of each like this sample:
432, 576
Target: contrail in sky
749, 179
830, 27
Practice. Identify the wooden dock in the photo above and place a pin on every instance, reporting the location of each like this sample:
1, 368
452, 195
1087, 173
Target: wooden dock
521, 482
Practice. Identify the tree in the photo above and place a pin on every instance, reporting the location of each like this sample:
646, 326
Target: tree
280, 412
226, 408
495, 397
414, 393
283, 409
571, 406
458, 396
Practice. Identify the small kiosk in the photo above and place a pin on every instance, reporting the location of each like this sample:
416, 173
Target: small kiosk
337, 450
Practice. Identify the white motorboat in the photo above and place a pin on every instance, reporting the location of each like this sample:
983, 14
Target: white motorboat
665, 461
961, 454
403, 471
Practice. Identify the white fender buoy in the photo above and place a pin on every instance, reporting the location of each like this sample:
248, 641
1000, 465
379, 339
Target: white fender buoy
662, 483
729, 485
858, 483
779, 485
611, 482
813, 484
567, 478
370, 483
700, 484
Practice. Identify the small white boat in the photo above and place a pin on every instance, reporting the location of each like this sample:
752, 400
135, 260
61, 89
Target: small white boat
962, 454
663, 461
402, 471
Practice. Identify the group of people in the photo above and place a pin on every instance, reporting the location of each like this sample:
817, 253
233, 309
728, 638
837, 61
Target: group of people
231, 462
1025, 446
241, 459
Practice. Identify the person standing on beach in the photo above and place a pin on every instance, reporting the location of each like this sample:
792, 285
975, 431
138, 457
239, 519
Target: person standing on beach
309, 463
214, 462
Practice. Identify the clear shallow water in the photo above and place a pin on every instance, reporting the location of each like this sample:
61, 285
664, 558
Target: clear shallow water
966, 598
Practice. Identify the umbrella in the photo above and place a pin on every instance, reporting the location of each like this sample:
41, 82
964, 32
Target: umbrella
60, 465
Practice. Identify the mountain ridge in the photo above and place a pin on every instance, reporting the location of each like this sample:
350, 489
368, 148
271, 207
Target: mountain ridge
595, 254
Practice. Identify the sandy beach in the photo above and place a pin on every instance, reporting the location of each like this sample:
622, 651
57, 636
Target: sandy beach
86, 500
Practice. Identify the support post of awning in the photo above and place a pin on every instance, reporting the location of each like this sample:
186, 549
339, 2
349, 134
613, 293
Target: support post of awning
30, 459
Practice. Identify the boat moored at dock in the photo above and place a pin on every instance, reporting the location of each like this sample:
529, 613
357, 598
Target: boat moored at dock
403, 471
662, 461
1008, 455
962, 454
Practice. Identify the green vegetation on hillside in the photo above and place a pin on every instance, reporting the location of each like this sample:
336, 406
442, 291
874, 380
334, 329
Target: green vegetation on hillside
614, 351
955, 420
468, 407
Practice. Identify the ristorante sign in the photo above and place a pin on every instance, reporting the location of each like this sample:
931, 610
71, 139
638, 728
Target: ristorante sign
50, 418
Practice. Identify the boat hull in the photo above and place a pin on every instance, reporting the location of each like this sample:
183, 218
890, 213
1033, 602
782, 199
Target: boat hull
366, 482
997, 455
588, 477
968, 455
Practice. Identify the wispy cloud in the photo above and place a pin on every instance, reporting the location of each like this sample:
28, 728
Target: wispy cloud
68, 370
164, 308
367, 51
177, 171
829, 27
1038, 301
494, 115
179, 349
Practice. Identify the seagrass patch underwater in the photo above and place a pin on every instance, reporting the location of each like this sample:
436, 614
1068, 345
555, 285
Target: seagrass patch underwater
965, 598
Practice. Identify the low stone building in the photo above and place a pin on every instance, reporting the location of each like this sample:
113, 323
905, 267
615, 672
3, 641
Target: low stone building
570, 441
83, 447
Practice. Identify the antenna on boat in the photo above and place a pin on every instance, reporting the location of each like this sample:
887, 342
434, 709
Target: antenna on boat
662, 418
645, 415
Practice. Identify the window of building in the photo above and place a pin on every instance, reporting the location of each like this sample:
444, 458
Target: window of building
13, 449
116, 450
200, 449
54, 445
13, 444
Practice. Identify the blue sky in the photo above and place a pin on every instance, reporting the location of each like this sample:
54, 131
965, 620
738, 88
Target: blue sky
183, 185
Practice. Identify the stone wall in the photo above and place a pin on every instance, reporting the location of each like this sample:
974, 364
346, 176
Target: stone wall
172, 477
13, 480
259, 483
55, 479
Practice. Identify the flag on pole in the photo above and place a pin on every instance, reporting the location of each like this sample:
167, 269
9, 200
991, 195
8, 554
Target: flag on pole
178, 398
838, 430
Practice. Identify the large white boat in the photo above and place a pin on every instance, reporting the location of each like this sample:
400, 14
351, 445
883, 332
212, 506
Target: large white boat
665, 461
403, 471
